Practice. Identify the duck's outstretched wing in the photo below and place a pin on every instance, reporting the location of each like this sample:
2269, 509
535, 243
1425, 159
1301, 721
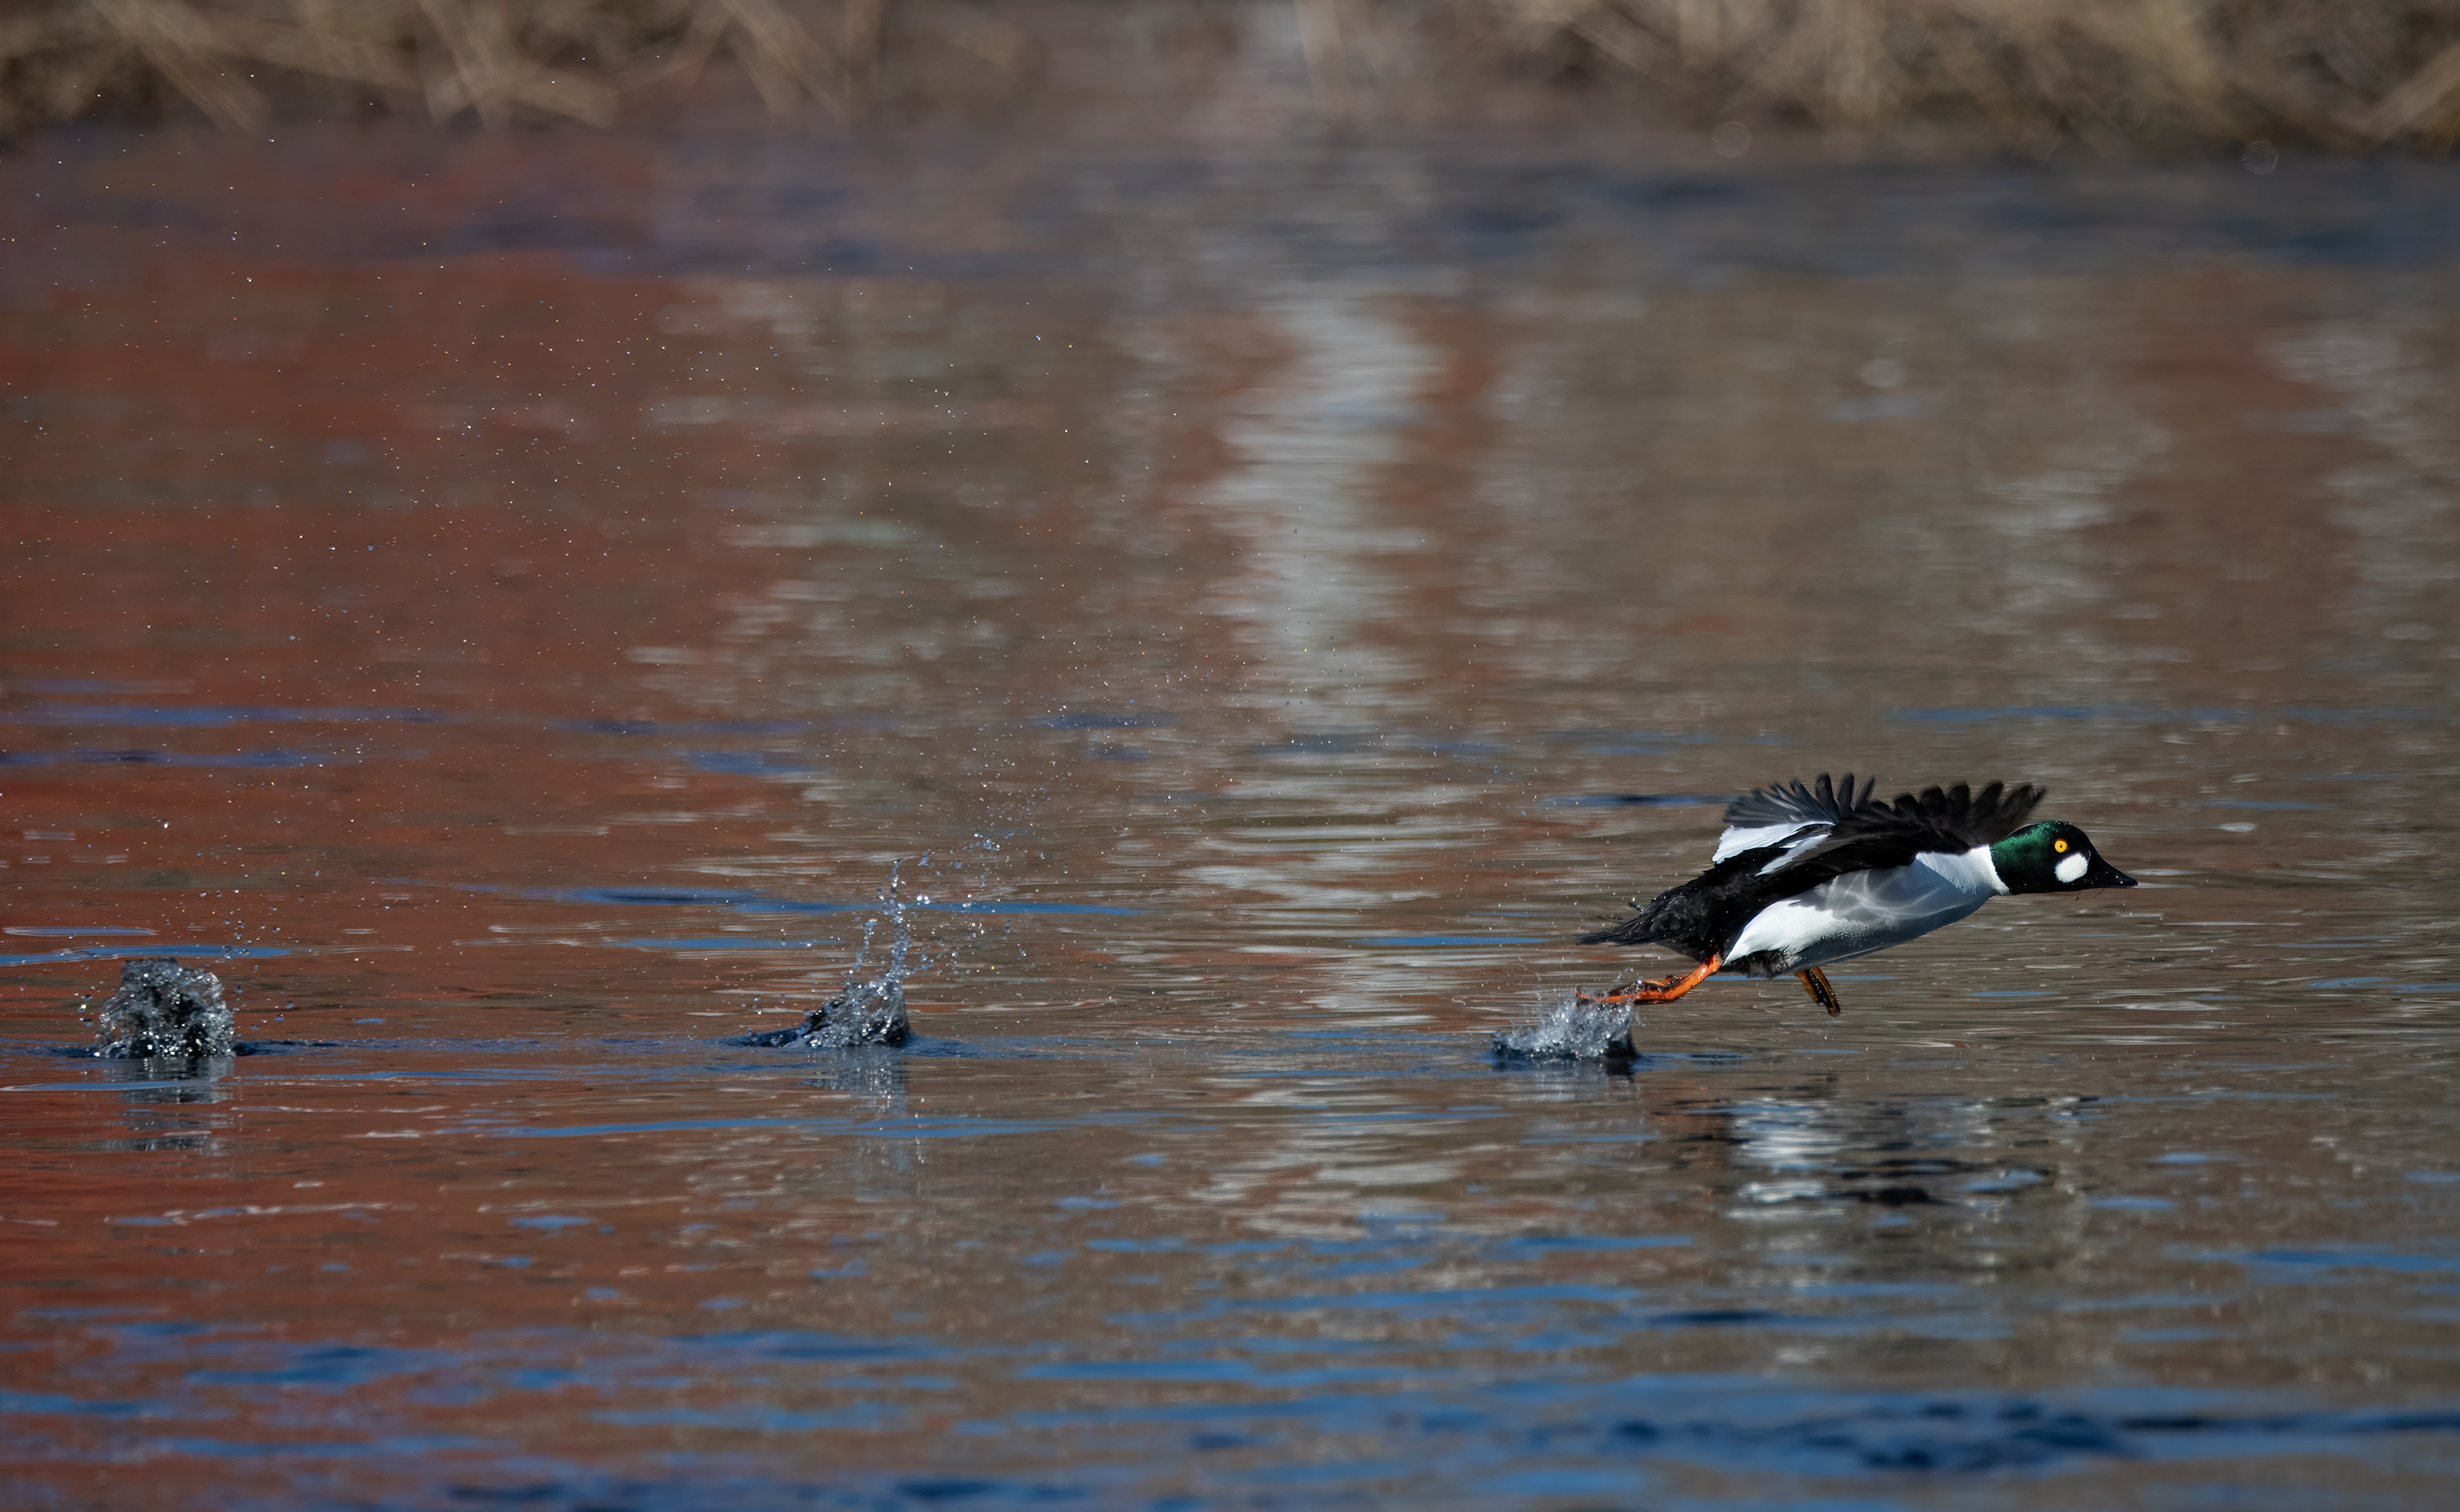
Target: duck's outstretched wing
1840, 826
1952, 819
1791, 813
1877, 836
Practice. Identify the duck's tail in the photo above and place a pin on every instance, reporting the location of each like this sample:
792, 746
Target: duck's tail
1641, 928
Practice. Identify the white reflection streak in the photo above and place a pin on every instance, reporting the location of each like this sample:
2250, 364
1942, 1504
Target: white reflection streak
1311, 450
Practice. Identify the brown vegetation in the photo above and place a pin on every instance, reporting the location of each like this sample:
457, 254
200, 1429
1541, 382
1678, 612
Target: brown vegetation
2346, 74
496, 58
2352, 74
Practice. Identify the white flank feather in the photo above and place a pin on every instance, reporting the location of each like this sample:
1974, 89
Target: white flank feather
1871, 910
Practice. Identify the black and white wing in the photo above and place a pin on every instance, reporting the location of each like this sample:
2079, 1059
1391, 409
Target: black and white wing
1789, 814
1878, 836
1834, 828
1954, 819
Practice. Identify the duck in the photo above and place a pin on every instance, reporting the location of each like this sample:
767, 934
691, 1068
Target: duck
1806, 875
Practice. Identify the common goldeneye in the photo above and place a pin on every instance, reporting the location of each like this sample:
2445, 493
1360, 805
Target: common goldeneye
1805, 877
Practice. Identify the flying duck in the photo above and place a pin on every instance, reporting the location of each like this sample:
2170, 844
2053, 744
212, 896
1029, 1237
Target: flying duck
1805, 877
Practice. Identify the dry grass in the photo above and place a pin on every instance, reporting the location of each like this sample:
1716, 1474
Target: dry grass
2348, 74
496, 58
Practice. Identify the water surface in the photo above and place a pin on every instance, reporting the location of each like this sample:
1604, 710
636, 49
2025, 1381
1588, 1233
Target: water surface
506, 604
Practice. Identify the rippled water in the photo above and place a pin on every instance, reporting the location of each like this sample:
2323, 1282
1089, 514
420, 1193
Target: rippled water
507, 605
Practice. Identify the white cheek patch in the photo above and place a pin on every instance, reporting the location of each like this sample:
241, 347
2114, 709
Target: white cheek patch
2070, 870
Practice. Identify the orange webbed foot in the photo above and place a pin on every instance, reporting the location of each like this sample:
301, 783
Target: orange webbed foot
1814, 981
1664, 990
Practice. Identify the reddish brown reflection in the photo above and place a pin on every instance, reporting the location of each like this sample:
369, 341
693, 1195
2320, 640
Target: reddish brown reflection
523, 581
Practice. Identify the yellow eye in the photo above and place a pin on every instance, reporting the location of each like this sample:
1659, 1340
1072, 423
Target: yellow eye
2059, 845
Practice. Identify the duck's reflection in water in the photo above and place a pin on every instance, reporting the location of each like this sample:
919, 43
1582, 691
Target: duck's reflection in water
1896, 1184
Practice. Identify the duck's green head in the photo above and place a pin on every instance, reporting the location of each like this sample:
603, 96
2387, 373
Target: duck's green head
2053, 856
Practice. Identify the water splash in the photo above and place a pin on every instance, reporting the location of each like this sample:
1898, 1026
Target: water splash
1573, 1028
165, 1010
867, 1011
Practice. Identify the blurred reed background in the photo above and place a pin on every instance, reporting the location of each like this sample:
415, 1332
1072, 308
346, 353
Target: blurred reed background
2114, 75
